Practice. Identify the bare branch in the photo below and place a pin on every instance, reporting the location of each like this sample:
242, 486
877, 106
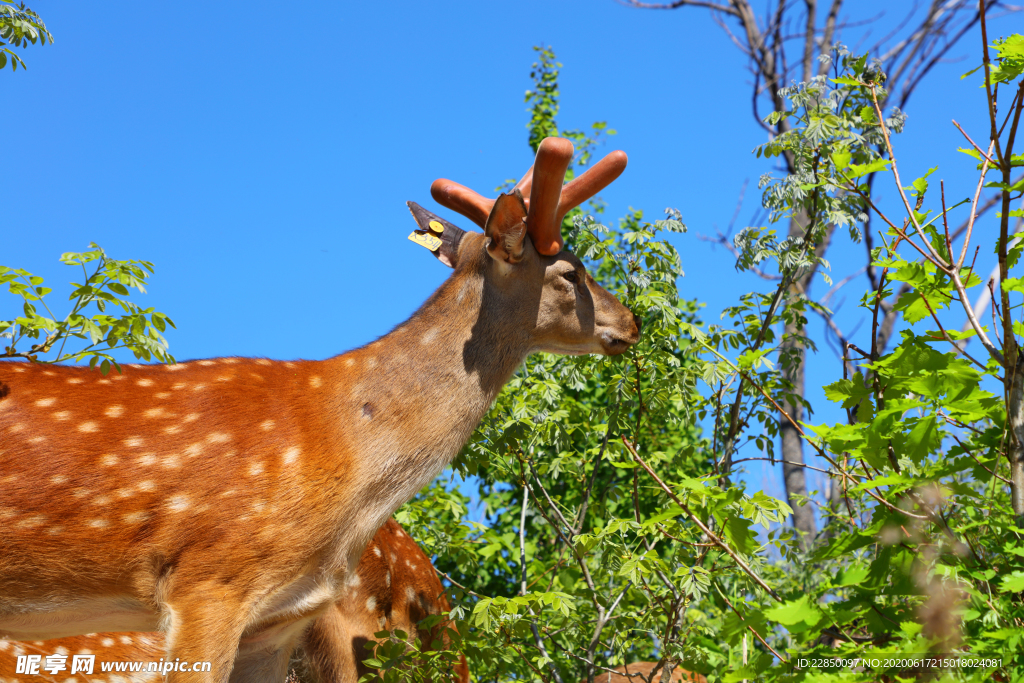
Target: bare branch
681, 3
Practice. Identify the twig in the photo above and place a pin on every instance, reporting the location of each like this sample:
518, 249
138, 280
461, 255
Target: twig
703, 527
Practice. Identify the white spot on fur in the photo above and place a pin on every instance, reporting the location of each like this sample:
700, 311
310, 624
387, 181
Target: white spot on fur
173, 429
289, 364
107, 642
376, 551
46, 402
16, 428
349, 362
192, 450
224, 378
75, 380
229, 361
99, 523
31, 521
54, 530
191, 417
147, 485
108, 460
267, 425
79, 493
178, 503
387, 579
371, 604
136, 517
37, 439
101, 500
162, 394
428, 337
171, 461
114, 411
410, 593
133, 441
315, 381
62, 415
175, 366
258, 506
59, 479
145, 382
125, 640
124, 493
218, 437
199, 387
88, 427
354, 580
262, 361
291, 455
146, 459
154, 412
255, 469
207, 362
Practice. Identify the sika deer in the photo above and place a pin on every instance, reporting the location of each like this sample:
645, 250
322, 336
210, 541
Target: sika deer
226, 502
395, 587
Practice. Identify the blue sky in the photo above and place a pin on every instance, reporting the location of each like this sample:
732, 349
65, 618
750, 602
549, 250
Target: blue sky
261, 155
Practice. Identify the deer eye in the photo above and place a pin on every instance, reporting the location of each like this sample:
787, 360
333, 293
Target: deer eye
571, 276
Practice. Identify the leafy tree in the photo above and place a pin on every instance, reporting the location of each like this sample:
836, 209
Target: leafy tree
19, 26
789, 42
93, 332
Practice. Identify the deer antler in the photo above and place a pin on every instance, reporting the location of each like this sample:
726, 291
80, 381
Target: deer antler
548, 200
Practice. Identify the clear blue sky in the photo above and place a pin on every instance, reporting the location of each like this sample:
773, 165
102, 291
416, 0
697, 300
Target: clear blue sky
261, 153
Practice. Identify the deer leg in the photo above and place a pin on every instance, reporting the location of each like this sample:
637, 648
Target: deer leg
205, 626
330, 650
263, 666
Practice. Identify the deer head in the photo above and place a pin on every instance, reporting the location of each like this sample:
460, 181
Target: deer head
557, 301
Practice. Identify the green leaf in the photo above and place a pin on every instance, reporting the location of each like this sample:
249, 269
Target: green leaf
1013, 583
860, 170
796, 613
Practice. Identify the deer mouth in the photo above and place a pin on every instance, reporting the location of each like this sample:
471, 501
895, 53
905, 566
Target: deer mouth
613, 345
614, 342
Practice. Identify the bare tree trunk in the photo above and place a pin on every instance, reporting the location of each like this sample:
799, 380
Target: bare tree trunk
793, 446
1015, 408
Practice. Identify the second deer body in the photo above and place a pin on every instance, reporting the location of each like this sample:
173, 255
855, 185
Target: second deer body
226, 502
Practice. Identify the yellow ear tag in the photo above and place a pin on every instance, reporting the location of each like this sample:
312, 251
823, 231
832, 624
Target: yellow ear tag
425, 239
436, 227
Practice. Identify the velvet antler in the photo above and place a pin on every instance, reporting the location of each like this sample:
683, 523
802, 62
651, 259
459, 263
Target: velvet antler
548, 200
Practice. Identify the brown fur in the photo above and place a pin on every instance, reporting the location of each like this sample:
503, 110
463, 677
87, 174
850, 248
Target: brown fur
226, 502
396, 578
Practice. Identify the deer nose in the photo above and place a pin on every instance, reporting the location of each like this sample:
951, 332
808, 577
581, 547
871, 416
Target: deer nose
636, 321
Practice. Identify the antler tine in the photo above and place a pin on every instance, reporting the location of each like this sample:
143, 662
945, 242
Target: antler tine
525, 184
461, 199
553, 157
596, 178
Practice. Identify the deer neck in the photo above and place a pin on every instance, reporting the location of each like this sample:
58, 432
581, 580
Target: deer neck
407, 402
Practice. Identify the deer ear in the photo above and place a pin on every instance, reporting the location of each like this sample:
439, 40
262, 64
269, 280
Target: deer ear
436, 234
506, 226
